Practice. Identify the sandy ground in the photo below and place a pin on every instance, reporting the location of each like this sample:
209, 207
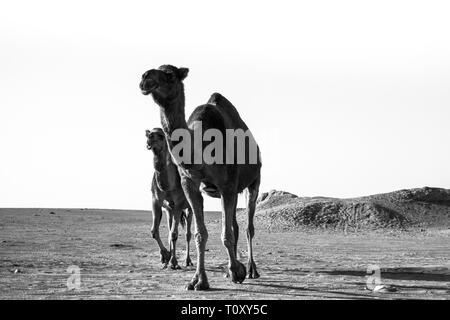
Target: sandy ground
118, 259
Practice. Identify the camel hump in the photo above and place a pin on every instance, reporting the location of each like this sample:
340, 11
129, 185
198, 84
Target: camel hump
224, 104
227, 110
218, 99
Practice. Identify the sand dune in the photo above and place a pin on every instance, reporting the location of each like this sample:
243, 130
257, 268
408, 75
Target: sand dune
422, 207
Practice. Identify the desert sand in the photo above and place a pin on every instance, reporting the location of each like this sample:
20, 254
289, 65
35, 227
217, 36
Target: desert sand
118, 259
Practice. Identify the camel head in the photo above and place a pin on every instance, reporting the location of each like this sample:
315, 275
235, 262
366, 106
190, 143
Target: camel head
164, 83
156, 140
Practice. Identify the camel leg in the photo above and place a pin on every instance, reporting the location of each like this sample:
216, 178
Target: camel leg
173, 236
169, 219
236, 233
188, 261
236, 237
157, 214
191, 190
169, 216
253, 190
236, 269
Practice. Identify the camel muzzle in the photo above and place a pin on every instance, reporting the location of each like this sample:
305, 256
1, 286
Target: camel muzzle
147, 86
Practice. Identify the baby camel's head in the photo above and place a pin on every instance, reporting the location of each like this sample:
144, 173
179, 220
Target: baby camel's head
156, 141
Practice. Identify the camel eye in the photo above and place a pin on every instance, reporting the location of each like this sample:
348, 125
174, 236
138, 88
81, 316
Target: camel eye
170, 76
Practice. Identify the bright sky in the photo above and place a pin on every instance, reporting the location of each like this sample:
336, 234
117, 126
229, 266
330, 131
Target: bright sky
345, 98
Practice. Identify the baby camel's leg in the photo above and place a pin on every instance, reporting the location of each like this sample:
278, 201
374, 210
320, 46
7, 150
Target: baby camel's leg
175, 216
157, 214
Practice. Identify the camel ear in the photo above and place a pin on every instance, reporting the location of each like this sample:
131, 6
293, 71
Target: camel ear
182, 73
147, 133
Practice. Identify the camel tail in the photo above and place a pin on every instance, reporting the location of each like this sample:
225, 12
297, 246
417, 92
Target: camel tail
183, 219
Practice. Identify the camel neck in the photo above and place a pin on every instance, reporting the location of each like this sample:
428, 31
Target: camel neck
173, 117
165, 171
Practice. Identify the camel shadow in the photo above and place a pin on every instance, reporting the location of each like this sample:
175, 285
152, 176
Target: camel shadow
277, 288
358, 294
270, 286
299, 292
307, 291
435, 274
439, 274
408, 273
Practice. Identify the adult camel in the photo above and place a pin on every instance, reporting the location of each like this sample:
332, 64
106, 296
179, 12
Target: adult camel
221, 178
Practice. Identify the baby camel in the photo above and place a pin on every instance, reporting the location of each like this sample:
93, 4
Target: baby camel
167, 193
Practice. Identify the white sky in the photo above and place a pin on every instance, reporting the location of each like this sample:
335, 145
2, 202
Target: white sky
344, 98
